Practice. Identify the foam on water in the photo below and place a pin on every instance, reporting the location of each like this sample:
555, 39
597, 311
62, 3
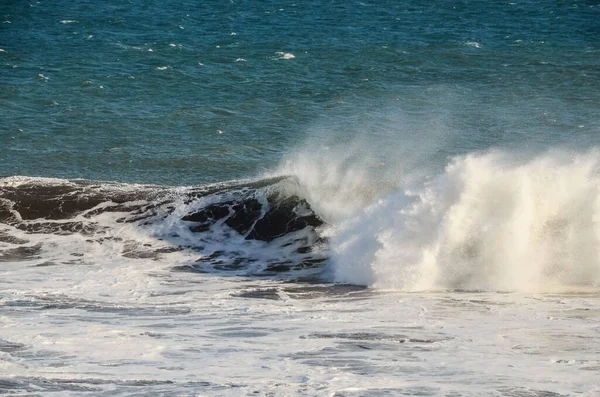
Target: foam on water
246, 227
494, 221
164, 291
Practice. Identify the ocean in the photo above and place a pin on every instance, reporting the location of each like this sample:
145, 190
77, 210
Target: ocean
319, 198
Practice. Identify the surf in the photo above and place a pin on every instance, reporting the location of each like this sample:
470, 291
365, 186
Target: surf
490, 221
487, 221
252, 227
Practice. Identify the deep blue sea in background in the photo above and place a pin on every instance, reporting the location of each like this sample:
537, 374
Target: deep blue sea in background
188, 92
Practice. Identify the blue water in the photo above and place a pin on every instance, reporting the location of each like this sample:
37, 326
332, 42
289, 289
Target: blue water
188, 92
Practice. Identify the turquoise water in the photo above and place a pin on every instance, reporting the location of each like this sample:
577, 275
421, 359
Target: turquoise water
186, 92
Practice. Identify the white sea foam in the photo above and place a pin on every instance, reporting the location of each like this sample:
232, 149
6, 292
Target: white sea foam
490, 221
284, 55
106, 320
167, 231
497, 220
473, 44
81, 318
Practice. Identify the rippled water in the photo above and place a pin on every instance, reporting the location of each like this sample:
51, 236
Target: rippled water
191, 92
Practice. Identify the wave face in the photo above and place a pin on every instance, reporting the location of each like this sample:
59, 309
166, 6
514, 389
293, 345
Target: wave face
489, 221
250, 228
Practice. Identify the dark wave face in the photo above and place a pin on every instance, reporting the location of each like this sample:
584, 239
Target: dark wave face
255, 227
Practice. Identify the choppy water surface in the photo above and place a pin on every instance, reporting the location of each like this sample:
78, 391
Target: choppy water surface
138, 91
278, 198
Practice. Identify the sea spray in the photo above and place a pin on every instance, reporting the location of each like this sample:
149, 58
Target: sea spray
490, 221
347, 164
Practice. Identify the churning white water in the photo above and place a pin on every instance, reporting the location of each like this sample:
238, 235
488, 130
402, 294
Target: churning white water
134, 297
493, 221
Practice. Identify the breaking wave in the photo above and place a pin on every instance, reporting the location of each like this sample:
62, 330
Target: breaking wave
244, 227
489, 221
493, 221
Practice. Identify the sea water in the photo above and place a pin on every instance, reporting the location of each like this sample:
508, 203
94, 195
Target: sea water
323, 198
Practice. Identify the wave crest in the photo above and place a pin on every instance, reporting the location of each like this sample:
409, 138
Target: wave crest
490, 221
245, 227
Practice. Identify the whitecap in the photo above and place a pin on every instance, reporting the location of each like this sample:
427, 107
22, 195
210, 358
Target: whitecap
240, 60
284, 55
473, 44
489, 221
68, 21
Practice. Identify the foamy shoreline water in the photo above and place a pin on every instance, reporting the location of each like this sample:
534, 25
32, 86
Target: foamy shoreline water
240, 337
107, 299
